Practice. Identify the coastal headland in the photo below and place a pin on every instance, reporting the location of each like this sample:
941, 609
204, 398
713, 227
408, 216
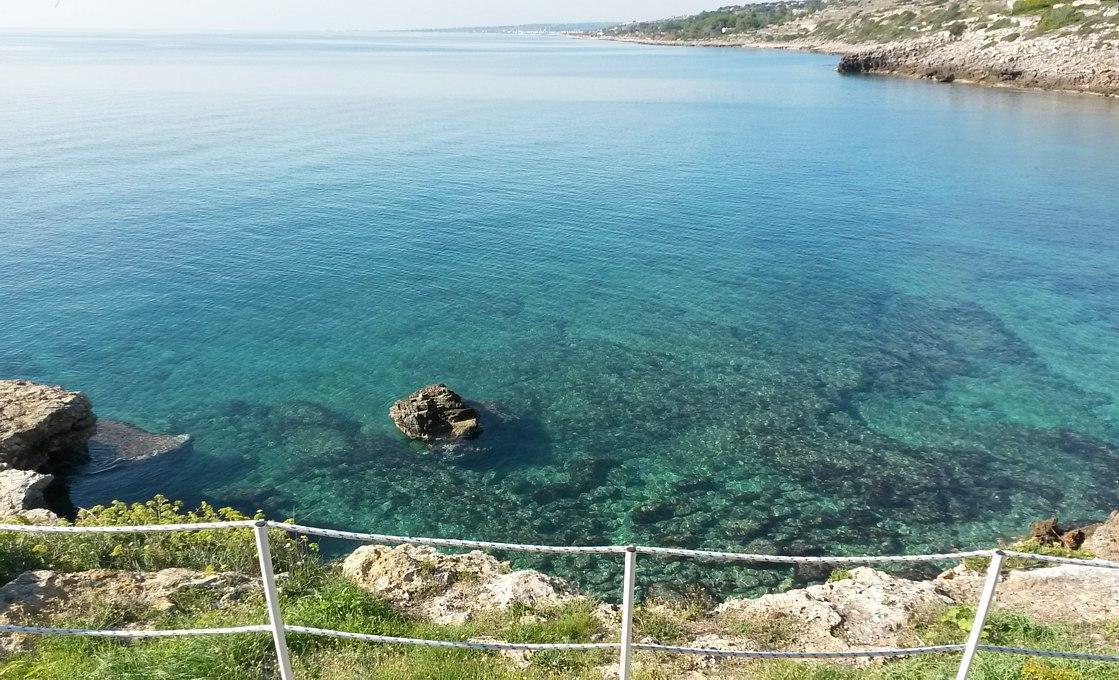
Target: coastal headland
1044, 44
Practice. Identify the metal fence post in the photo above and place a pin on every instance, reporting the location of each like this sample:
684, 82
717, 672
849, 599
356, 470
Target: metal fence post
627, 611
984, 606
272, 599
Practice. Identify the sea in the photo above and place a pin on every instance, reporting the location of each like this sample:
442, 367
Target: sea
703, 297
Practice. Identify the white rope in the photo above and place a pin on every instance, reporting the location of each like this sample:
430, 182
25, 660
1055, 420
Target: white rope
449, 542
1106, 564
140, 529
885, 651
38, 630
1057, 655
526, 547
827, 559
527, 647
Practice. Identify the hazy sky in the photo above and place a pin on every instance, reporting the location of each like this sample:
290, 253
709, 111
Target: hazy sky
324, 14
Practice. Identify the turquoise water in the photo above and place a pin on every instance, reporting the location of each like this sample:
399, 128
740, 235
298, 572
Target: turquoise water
713, 298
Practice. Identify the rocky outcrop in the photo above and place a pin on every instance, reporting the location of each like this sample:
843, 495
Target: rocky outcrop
22, 490
435, 413
1058, 62
36, 596
1103, 542
451, 588
1066, 593
114, 440
866, 610
42, 427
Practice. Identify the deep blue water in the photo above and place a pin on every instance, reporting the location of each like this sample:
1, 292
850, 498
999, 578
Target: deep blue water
720, 298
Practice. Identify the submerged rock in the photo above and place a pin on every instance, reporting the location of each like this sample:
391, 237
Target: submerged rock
451, 588
42, 426
116, 440
434, 413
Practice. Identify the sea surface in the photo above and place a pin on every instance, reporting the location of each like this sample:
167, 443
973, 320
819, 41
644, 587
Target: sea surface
709, 298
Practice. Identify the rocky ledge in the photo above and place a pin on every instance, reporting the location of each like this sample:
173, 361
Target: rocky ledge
37, 594
435, 413
42, 427
1063, 62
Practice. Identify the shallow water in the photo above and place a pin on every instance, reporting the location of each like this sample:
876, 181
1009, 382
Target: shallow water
714, 298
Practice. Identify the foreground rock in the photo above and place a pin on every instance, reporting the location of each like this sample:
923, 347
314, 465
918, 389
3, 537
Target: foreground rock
36, 596
435, 413
1066, 593
22, 490
451, 588
42, 427
114, 440
867, 610
1103, 542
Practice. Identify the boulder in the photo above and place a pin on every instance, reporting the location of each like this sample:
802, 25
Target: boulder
1104, 540
22, 490
451, 588
42, 427
1065, 593
867, 610
435, 413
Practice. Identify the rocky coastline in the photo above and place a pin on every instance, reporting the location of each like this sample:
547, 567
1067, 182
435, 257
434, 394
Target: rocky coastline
986, 44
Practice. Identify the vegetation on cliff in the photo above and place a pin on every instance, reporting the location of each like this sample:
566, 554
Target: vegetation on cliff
862, 21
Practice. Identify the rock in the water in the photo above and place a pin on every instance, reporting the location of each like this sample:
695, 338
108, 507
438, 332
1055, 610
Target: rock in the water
114, 440
22, 490
450, 588
435, 413
42, 426
870, 609
1104, 540
1066, 593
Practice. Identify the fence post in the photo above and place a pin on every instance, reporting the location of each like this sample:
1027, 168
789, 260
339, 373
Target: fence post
272, 599
985, 599
628, 579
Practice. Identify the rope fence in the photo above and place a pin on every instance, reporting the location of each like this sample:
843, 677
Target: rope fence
625, 646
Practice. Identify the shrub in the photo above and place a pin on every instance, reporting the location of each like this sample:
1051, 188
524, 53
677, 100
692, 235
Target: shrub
957, 29
1028, 6
212, 550
838, 575
660, 625
1059, 17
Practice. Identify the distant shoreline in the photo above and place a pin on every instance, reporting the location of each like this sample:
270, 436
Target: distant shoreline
945, 60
